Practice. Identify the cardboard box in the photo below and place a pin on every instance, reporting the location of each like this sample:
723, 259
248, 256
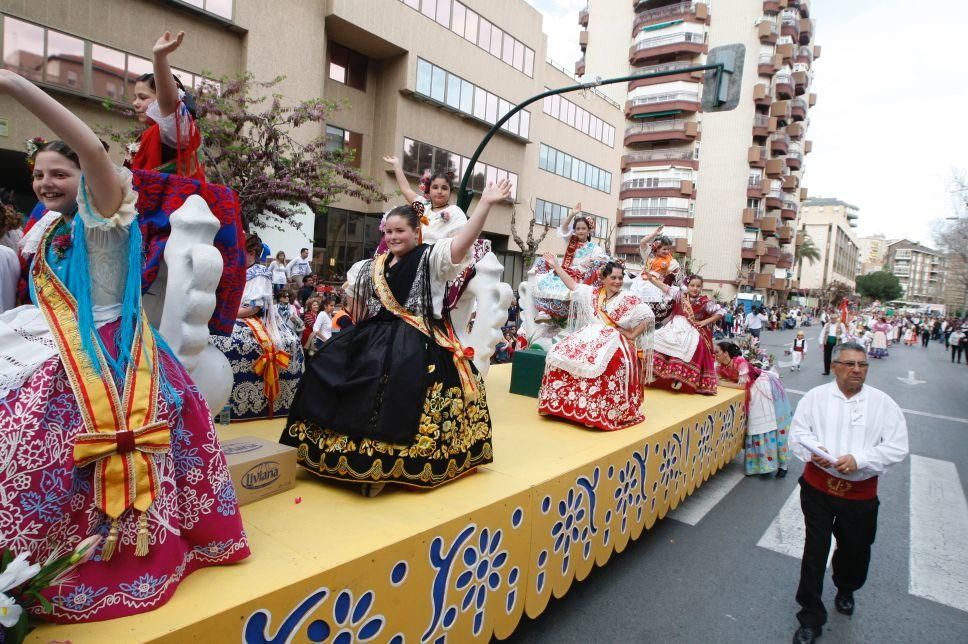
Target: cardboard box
527, 368
259, 468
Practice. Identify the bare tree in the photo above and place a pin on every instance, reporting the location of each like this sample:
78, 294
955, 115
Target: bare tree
951, 236
528, 248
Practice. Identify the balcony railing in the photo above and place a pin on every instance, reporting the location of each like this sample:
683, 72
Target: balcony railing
657, 126
644, 184
781, 137
791, 205
656, 212
659, 155
761, 120
663, 67
662, 12
755, 180
749, 243
691, 97
782, 77
790, 17
668, 39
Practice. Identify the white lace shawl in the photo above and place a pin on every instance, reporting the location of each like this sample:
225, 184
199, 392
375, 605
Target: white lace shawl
590, 344
25, 338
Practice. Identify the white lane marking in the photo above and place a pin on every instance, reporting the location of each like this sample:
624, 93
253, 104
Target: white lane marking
787, 532
714, 490
939, 533
914, 412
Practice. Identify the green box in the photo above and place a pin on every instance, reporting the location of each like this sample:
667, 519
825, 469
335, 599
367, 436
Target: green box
527, 368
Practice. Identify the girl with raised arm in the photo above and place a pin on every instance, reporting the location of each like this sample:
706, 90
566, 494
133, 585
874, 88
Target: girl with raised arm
684, 345
444, 219
583, 261
594, 375
396, 398
171, 141
105, 432
657, 259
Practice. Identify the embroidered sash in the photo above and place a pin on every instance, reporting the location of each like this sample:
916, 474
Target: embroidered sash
573, 244
269, 364
123, 431
446, 337
704, 333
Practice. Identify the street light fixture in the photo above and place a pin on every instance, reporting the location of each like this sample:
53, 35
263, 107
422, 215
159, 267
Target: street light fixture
720, 93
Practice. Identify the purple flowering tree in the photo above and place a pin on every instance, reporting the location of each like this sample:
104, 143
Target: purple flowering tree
249, 145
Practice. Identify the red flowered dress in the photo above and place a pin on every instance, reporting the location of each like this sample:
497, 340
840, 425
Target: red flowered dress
683, 349
593, 376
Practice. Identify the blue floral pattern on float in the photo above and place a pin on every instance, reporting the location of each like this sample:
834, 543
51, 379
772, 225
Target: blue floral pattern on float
576, 519
484, 572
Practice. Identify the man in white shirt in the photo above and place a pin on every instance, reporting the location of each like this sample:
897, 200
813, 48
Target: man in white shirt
754, 324
848, 433
299, 268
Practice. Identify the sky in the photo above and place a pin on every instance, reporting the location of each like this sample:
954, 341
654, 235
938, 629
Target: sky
889, 127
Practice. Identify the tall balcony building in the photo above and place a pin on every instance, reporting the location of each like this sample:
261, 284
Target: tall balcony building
921, 270
726, 184
830, 223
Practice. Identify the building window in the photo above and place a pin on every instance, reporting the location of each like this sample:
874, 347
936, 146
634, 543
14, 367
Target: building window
569, 167
471, 26
59, 60
346, 142
551, 214
347, 66
571, 114
449, 89
419, 157
220, 8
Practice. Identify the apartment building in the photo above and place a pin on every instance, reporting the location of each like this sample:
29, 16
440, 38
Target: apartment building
421, 79
920, 270
726, 184
873, 250
830, 223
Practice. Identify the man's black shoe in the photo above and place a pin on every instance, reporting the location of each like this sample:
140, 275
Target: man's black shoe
806, 635
844, 603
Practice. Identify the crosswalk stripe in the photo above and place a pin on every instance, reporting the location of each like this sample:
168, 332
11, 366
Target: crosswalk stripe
787, 533
693, 509
939, 533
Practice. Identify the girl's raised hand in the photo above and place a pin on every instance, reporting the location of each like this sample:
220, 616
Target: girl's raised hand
496, 192
168, 43
392, 160
550, 258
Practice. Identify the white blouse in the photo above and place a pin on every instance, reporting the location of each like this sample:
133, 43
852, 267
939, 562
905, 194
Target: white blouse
869, 426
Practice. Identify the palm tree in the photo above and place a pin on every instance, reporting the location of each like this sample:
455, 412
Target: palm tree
807, 250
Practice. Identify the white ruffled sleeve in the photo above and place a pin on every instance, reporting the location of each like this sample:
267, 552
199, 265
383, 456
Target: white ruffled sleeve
258, 292
639, 313
178, 122
107, 240
353, 276
443, 270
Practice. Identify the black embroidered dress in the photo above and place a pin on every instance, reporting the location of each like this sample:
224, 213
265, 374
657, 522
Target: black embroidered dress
394, 399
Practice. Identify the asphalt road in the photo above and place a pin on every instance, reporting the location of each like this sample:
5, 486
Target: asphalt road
712, 582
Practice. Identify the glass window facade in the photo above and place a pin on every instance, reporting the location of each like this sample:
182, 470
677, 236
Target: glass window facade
569, 167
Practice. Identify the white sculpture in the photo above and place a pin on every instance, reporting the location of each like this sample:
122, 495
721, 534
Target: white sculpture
188, 279
487, 298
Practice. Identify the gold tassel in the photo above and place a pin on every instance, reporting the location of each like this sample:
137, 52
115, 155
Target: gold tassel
141, 545
111, 543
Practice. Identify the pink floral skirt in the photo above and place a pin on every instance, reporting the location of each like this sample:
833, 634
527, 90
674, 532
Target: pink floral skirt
698, 375
47, 503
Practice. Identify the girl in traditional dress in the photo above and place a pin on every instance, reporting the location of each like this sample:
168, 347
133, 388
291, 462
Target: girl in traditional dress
171, 140
266, 355
768, 411
656, 252
684, 345
594, 376
583, 260
798, 351
444, 219
396, 398
879, 345
87, 386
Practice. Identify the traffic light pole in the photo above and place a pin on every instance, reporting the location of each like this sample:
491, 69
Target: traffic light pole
464, 195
